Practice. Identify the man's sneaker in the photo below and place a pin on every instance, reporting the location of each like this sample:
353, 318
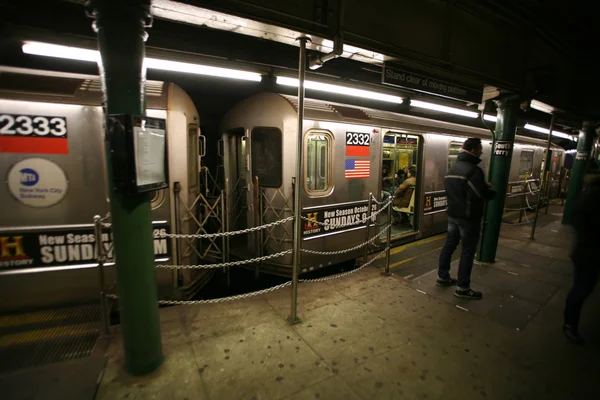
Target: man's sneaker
572, 334
468, 294
446, 282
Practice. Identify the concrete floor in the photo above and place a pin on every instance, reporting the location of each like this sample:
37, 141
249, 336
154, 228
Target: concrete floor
369, 336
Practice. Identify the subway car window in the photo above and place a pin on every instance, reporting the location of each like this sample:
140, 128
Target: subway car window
265, 146
192, 149
453, 150
317, 168
401, 157
526, 163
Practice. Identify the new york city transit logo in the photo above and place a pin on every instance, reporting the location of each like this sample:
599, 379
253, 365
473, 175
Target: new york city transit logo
29, 177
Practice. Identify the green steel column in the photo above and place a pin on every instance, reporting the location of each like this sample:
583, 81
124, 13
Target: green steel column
120, 26
586, 140
506, 126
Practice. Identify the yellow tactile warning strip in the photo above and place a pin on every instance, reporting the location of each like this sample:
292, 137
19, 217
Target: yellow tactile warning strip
42, 337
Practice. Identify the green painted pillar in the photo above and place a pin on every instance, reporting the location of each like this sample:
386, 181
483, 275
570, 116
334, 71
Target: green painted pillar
120, 26
587, 136
506, 126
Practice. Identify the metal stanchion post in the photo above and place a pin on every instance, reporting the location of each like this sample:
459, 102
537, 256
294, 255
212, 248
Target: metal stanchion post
369, 213
388, 239
100, 257
293, 318
546, 166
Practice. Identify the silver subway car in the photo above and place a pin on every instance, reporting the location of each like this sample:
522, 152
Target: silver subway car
345, 151
52, 145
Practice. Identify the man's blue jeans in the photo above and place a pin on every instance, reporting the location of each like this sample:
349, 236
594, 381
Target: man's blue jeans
467, 231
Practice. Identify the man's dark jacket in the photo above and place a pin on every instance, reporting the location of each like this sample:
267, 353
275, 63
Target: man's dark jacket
466, 188
586, 219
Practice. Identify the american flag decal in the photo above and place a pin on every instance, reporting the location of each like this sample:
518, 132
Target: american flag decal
357, 169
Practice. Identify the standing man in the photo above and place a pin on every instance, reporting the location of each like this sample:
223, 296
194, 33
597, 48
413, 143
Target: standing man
586, 260
467, 192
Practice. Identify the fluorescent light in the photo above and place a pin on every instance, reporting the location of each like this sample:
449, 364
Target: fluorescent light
543, 107
571, 151
445, 109
491, 118
546, 131
326, 87
176, 66
75, 53
58, 51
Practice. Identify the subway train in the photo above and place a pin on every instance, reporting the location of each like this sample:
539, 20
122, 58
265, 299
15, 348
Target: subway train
52, 145
345, 150
51, 137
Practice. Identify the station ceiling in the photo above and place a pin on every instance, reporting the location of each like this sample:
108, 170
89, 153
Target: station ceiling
568, 27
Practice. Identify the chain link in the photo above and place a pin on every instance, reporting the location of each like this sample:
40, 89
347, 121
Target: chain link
232, 233
218, 300
331, 253
227, 264
343, 274
361, 221
517, 223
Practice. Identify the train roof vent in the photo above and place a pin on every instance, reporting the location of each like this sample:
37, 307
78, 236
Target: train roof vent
386, 115
153, 88
350, 112
309, 104
48, 85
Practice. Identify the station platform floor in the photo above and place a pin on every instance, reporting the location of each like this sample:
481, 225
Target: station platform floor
370, 336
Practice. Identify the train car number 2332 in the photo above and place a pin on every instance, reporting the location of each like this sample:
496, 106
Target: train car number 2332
32, 125
358, 139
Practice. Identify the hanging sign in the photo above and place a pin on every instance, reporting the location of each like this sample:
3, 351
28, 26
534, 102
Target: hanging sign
37, 182
503, 148
435, 202
63, 247
429, 84
335, 219
33, 134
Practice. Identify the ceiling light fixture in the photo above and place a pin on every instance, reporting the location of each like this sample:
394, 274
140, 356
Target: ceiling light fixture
444, 109
539, 129
543, 107
76, 53
348, 91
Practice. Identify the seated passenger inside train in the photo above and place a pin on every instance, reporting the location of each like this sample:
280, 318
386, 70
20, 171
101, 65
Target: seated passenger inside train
404, 193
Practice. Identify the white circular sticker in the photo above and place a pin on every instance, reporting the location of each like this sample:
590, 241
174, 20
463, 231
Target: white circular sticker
37, 182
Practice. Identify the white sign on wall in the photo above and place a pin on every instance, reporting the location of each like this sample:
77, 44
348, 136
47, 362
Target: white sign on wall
37, 182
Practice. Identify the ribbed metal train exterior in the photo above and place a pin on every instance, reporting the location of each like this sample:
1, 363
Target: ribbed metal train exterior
47, 247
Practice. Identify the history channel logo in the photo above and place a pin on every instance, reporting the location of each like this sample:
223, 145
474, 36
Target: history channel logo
29, 177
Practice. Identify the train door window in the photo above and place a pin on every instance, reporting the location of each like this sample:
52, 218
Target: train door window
317, 165
555, 168
526, 163
266, 149
453, 151
402, 151
192, 157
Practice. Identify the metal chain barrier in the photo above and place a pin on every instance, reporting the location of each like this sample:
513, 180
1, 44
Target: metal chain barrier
263, 291
361, 221
232, 233
227, 264
331, 253
343, 274
102, 258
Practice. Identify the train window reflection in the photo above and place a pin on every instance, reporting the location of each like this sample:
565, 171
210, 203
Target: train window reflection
192, 157
526, 163
265, 146
453, 151
317, 166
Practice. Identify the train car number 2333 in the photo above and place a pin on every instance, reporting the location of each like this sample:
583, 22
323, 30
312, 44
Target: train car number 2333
32, 125
358, 139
